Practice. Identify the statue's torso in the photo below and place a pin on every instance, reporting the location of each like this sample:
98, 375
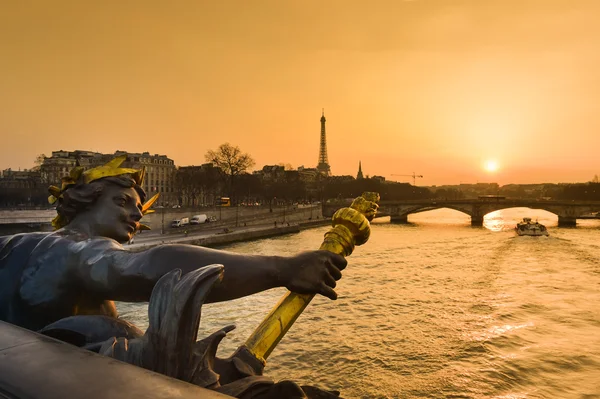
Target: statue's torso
38, 285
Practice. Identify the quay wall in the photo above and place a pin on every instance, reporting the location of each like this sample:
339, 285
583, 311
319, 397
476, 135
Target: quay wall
227, 216
244, 234
223, 238
25, 221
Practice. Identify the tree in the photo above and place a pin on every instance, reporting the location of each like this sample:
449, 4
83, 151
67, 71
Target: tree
286, 166
187, 183
39, 160
231, 160
197, 185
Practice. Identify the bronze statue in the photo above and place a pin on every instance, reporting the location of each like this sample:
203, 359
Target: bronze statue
64, 283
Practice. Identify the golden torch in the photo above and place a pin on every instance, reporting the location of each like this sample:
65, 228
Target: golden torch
351, 226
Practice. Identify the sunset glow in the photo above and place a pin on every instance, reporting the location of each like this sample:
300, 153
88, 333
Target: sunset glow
424, 86
491, 166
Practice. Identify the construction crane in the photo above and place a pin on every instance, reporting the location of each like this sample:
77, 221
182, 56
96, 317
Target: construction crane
414, 176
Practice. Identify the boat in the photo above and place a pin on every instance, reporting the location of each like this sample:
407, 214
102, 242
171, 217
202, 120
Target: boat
528, 228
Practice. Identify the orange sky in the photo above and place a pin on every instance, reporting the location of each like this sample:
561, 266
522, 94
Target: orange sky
437, 87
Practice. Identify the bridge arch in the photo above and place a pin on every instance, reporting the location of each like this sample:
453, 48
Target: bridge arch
567, 211
400, 215
423, 208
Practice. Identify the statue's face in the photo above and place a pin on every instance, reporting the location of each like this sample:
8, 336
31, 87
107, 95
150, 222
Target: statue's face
115, 214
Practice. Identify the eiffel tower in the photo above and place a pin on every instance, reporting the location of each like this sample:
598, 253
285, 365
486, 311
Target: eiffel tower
323, 165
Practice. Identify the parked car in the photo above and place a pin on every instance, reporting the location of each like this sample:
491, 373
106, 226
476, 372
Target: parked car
176, 223
197, 219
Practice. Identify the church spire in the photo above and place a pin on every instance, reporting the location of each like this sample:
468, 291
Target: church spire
359, 175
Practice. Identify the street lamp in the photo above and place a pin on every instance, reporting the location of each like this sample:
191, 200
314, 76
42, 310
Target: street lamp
162, 230
164, 205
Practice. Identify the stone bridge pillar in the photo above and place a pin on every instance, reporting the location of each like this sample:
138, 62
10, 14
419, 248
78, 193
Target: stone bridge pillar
397, 214
476, 220
477, 215
567, 216
567, 221
398, 218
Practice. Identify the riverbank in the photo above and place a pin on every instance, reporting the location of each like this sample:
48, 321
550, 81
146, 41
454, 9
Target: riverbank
26, 221
216, 237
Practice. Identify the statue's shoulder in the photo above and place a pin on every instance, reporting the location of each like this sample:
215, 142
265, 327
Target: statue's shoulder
56, 240
21, 242
53, 262
34, 251
96, 243
21, 255
77, 241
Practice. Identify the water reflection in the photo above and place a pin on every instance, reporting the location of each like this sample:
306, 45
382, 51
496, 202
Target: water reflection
507, 219
438, 309
494, 221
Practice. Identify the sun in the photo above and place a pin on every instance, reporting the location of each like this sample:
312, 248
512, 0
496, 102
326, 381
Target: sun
490, 165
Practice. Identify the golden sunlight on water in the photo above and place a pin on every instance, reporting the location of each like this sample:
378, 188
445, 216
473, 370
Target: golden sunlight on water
438, 309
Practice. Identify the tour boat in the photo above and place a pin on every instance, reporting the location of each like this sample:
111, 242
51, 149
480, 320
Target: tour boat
528, 228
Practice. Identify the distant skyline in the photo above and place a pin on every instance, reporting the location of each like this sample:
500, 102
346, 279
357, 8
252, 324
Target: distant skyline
442, 88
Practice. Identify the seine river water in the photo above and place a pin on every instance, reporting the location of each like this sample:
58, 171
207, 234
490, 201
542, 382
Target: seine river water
439, 309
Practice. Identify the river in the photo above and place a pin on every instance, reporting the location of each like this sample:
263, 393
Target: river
439, 309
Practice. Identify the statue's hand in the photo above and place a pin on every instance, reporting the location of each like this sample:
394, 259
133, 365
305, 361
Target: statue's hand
313, 272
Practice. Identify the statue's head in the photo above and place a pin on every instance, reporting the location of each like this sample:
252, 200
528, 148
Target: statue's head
107, 200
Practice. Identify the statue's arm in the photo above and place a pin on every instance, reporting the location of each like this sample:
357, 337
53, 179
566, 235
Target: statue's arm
130, 276
243, 274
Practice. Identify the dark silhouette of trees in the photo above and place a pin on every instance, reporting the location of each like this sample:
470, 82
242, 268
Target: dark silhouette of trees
231, 160
187, 182
581, 192
198, 185
249, 188
449, 193
348, 187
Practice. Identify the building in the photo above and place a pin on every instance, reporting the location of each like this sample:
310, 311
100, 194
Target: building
323, 165
308, 175
57, 166
160, 169
160, 174
341, 179
19, 188
273, 173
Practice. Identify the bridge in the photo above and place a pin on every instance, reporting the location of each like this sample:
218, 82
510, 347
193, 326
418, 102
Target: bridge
567, 211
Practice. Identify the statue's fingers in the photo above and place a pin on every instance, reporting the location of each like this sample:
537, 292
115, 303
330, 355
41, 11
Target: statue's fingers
334, 271
327, 291
338, 261
330, 281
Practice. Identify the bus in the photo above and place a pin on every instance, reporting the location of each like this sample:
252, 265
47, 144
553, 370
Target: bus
224, 201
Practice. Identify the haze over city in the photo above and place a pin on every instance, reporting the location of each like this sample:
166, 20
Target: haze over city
456, 90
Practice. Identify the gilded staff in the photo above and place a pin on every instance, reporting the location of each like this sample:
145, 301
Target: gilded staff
350, 227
